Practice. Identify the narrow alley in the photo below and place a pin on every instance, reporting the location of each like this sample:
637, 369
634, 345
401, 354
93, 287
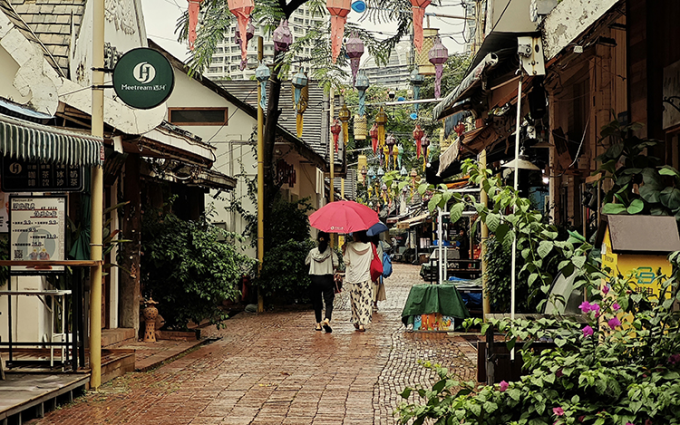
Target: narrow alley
274, 368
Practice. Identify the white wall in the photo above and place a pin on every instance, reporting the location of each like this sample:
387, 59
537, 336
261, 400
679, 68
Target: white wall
30, 318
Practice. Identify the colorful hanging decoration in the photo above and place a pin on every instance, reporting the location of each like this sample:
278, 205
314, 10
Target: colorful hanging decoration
386, 156
339, 9
399, 155
300, 98
242, 10
336, 128
418, 8
438, 55
383, 190
418, 134
360, 129
354, 48
395, 156
250, 33
262, 74
362, 84
390, 141
425, 142
194, 9
344, 115
381, 120
374, 137
282, 37
417, 81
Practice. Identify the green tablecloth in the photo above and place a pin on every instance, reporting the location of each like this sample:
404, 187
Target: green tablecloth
426, 299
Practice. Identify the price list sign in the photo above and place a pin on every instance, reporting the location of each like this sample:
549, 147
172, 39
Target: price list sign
37, 227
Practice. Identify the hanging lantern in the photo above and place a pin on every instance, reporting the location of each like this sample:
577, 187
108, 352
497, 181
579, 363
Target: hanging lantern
374, 137
438, 55
417, 80
194, 9
282, 37
370, 191
336, 128
344, 115
422, 58
242, 10
250, 33
381, 120
300, 98
399, 155
354, 48
339, 9
262, 74
371, 175
381, 172
386, 156
395, 156
418, 134
383, 190
425, 142
360, 127
403, 172
418, 7
362, 84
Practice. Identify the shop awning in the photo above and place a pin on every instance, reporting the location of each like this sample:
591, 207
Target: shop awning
413, 221
35, 142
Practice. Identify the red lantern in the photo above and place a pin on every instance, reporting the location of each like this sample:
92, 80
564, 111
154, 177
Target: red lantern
336, 128
418, 7
373, 132
194, 8
459, 129
242, 10
339, 9
418, 134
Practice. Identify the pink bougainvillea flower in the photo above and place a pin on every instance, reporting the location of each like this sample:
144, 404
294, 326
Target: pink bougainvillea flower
503, 386
581, 418
616, 307
594, 307
605, 289
559, 373
587, 331
675, 358
629, 423
558, 411
585, 306
614, 322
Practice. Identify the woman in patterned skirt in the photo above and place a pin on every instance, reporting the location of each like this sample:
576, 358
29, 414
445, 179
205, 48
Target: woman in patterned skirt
358, 255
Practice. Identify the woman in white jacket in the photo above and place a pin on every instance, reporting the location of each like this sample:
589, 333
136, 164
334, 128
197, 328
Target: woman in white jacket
322, 262
357, 256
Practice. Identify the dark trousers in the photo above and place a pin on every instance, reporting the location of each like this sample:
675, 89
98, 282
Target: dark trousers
322, 286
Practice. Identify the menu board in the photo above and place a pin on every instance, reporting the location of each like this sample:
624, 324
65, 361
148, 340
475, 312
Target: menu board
37, 227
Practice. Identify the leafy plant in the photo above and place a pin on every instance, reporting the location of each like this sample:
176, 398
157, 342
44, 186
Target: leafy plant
602, 372
189, 267
639, 183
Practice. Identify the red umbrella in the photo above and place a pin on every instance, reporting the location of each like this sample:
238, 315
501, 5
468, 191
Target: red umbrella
343, 217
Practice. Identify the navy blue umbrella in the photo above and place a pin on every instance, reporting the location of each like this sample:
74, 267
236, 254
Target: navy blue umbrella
378, 227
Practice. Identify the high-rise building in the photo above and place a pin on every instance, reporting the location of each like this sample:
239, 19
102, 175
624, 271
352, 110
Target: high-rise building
226, 59
394, 75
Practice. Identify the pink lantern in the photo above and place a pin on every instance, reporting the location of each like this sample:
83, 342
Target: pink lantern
418, 134
194, 8
418, 7
355, 48
336, 128
438, 55
250, 33
339, 9
282, 37
373, 132
242, 10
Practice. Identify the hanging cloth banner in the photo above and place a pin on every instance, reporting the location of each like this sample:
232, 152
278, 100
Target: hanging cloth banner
242, 10
418, 8
194, 9
339, 9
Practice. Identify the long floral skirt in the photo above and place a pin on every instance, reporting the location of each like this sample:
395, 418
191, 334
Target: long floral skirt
361, 296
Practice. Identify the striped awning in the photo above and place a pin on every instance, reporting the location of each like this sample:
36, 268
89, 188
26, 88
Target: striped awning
35, 142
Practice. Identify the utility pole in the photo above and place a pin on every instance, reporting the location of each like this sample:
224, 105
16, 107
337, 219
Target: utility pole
96, 202
260, 181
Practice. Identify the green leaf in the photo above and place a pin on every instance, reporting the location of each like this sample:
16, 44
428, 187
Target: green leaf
667, 170
615, 151
636, 207
613, 209
670, 197
492, 221
456, 211
406, 393
650, 193
544, 248
578, 260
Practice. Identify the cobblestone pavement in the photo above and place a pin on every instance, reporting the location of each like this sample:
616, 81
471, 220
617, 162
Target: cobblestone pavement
274, 368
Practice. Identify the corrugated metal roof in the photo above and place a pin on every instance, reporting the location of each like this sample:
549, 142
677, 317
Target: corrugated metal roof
315, 132
51, 21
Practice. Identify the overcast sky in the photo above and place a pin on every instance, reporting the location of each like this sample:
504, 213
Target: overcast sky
161, 17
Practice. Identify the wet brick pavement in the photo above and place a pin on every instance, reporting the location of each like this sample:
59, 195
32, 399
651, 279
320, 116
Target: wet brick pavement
274, 368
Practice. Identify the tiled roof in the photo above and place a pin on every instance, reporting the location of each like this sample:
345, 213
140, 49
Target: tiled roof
54, 22
315, 131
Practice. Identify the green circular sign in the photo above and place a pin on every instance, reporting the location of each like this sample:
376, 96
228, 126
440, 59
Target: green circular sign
143, 78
